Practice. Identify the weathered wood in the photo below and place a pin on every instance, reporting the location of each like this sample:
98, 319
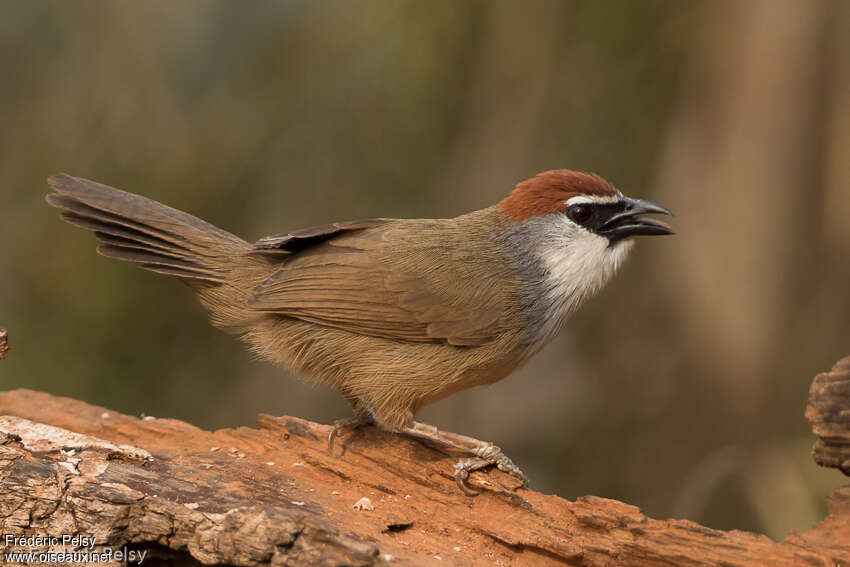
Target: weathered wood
828, 412
274, 496
4, 342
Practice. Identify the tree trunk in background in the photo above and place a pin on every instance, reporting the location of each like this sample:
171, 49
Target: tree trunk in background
733, 166
836, 204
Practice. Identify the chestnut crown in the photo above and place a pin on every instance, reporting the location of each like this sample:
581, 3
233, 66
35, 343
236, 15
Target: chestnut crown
549, 191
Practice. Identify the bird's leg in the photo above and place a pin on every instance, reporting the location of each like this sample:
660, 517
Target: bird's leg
363, 415
484, 454
349, 423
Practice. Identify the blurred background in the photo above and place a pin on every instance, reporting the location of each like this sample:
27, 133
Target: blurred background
680, 388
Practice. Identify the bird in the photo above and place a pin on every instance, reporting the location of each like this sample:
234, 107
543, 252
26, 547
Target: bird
395, 314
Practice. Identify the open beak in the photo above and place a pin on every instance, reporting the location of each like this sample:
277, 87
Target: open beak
628, 222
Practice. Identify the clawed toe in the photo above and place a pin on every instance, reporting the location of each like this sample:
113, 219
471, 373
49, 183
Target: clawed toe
509, 467
462, 470
486, 456
341, 425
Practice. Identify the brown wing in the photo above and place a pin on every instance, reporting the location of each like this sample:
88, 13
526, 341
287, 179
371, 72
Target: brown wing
363, 282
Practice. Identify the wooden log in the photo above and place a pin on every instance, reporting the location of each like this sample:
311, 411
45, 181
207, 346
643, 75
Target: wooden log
828, 412
273, 495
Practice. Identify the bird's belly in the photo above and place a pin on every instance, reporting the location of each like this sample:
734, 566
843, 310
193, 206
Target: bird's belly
394, 377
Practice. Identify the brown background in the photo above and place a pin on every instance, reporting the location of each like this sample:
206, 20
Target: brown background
680, 388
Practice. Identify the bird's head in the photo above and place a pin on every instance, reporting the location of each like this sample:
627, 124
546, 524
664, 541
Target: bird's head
569, 232
585, 205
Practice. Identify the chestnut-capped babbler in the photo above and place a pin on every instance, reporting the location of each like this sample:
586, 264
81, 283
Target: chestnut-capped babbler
393, 313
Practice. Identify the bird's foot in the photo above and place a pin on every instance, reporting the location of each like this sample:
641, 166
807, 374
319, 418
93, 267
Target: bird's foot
486, 455
340, 425
483, 454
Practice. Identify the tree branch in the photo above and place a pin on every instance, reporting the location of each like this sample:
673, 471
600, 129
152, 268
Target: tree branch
274, 496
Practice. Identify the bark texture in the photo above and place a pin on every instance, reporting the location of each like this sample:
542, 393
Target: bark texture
4, 342
274, 496
828, 412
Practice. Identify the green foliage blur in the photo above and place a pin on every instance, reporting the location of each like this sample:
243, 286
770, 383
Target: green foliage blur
680, 388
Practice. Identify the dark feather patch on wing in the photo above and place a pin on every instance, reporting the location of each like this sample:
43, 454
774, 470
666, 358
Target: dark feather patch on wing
292, 242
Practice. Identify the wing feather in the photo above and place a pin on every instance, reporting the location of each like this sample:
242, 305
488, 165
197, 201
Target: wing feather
360, 277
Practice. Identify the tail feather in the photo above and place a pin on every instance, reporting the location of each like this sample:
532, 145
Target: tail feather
102, 229
120, 203
128, 239
136, 229
85, 216
159, 262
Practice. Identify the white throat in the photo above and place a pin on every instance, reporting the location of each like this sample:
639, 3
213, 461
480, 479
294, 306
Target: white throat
574, 265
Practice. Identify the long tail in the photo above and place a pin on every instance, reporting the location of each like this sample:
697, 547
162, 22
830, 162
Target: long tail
130, 227
133, 228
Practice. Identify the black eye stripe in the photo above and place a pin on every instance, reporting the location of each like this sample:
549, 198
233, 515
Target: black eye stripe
599, 213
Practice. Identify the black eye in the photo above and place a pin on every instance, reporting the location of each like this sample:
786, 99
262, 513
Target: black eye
580, 213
